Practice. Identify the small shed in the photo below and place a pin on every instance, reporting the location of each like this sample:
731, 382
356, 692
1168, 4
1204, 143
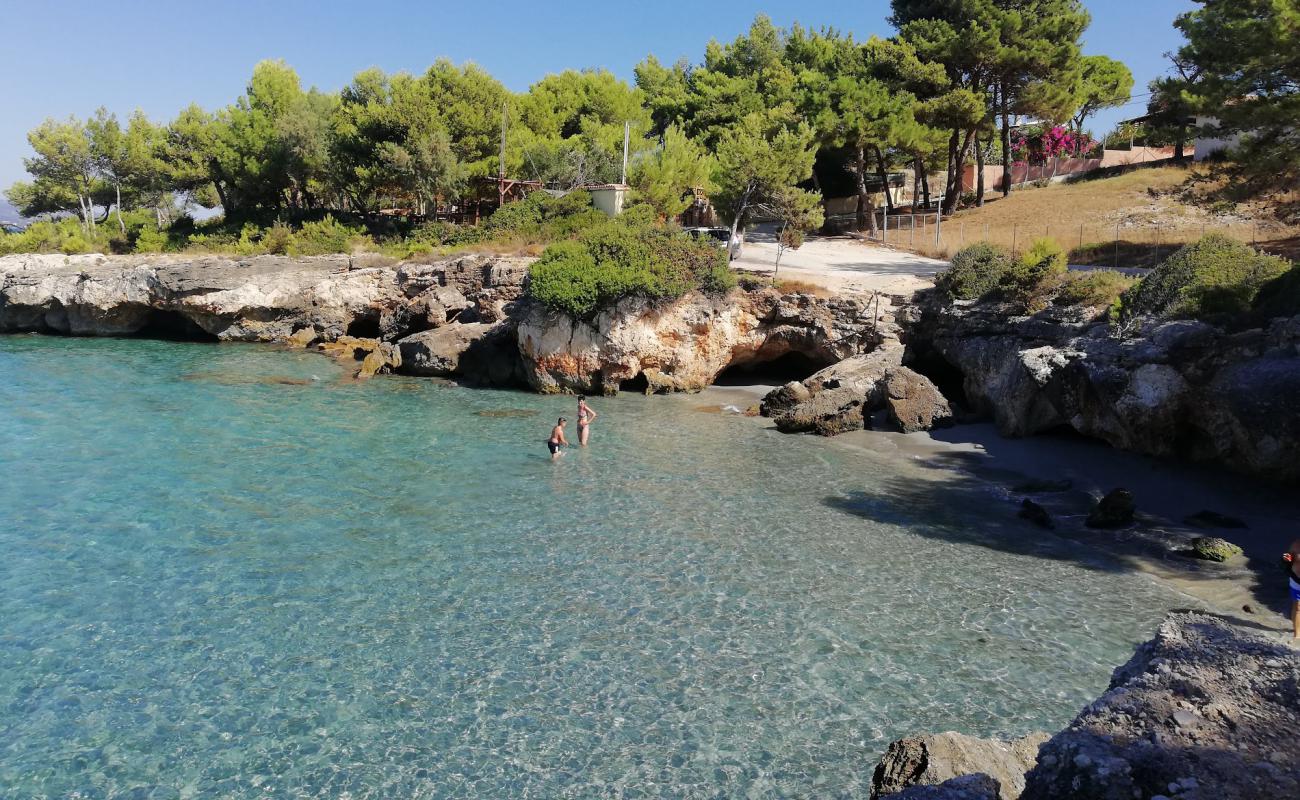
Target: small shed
609, 197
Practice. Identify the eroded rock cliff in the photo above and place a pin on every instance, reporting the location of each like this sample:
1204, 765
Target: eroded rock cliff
1180, 389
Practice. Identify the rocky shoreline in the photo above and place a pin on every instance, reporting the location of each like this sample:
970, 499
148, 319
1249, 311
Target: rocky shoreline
1184, 390
1201, 712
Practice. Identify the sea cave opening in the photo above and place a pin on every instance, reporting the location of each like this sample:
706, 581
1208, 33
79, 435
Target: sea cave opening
365, 326
791, 366
172, 326
637, 384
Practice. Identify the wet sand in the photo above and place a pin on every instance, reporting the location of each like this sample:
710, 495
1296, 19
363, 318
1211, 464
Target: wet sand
1166, 493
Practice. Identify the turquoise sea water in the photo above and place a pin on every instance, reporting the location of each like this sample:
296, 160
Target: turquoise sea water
222, 578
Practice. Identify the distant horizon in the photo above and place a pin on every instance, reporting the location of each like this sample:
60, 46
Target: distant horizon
208, 57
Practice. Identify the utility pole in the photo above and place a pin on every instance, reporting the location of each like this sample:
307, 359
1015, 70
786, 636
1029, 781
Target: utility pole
627, 135
501, 162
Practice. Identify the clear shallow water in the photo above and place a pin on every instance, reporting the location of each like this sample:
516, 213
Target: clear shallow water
212, 585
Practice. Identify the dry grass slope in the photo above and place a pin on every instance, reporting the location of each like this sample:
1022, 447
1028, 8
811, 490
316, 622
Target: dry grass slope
1135, 219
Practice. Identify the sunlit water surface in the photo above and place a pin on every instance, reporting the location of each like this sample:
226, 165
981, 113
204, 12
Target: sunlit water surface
226, 573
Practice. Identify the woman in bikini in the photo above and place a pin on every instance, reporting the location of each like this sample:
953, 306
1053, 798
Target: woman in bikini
585, 417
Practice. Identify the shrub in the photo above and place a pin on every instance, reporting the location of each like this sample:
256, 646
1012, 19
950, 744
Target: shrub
976, 271
1033, 276
1100, 288
617, 260
1215, 275
278, 239
1280, 297
150, 240
327, 237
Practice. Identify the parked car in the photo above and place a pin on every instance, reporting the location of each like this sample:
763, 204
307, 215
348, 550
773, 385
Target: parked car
722, 238
11, 227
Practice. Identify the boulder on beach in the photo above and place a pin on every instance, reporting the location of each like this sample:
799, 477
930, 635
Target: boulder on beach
1212, 548
912, 402
828, 413
1115, 510
967, 787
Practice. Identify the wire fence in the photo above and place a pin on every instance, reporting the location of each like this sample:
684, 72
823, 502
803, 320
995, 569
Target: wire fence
1128, 243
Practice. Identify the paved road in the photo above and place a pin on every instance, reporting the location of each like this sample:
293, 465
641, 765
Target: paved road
841, 262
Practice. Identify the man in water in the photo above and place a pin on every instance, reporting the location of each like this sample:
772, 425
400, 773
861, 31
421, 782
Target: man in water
1292, 557
557, 439
585, 417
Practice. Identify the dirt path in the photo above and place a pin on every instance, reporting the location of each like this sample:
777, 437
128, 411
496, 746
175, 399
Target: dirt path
841, 263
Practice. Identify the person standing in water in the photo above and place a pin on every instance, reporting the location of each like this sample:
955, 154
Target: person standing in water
557, 439
585, 417
1292, 557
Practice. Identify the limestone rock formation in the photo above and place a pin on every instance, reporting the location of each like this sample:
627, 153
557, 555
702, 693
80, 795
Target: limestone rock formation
480, 353
937, 759
966, 787
842, 397
684, 344
1203, 711
912, 402
1182, 389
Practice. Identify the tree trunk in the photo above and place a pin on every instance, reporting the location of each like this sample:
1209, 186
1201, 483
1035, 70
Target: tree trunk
866, 210
735, 221
952, 198
120, 224
883, 174
925, 186
1179, 156
1006, 141
85, 215
979, 172
918, 164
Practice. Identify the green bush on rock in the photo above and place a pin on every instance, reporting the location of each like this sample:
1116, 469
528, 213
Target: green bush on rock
976, 271
1099, 288
622, 259
1213, 276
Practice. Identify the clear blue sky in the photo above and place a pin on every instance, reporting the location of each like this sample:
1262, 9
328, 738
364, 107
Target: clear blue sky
69, 57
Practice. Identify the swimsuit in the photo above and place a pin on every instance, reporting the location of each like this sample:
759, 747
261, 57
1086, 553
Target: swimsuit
554, 447
1295, 588
582, 418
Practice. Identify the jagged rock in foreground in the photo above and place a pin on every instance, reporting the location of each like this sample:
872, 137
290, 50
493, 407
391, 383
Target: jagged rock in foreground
935, 760
1204, 711
684, 344
1182, 389
481, 353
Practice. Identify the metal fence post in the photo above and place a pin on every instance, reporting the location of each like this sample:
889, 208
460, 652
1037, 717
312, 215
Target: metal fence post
911, 238
885, 236
1080, 235
1014, 232
938, 227
1116, 244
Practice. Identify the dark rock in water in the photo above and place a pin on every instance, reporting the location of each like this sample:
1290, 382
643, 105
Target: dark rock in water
1041, 486
507, 412
1212, 548
1036, 514
1213, 519
936, 761
1248, 608
1205, 710
1115, 510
